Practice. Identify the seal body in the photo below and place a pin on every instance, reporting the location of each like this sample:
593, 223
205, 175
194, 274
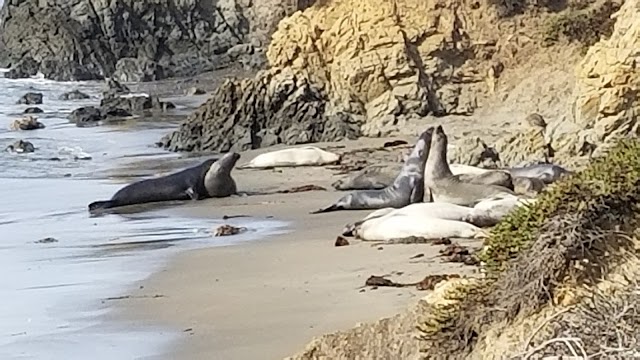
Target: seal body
407, 188
499, 207
211, 178
527, 186
298, 156
547, 173
479, 217
374, 177
445, 187
398, 226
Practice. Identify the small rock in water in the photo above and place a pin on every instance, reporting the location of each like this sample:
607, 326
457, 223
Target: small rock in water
21, 146
31, 98
74, 95
26, 123
47, 240
195, 91
33, 110
226, 230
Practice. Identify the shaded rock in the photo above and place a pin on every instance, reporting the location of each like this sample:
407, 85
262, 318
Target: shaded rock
74, 95
92, 116
25, 68
26, 123
291, 109
138, 41
113, 88
31, 98
137, 70
135, 104
21, 146
475, 152
195, 91
33, 110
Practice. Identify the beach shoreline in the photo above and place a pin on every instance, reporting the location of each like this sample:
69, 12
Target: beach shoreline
267, 298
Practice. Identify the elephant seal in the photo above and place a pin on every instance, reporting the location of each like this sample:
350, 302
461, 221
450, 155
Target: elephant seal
501, 206
527, 186
407, 188
445, 187
547, 173
212, 178
297, 156
398, 226
481, 217
374, 177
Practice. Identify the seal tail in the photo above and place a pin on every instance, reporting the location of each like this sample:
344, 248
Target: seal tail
97, 205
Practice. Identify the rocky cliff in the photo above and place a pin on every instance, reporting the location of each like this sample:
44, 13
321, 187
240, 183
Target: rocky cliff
136, 40
392, 66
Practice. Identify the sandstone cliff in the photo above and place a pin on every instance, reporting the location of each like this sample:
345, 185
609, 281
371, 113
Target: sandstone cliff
135, 40
393, 66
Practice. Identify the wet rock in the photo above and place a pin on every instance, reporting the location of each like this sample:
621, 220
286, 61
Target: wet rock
114, 88
227, 230
25, 68
74, 95
92, 116
33, 110
21, 146
26, 123
48, 240
136, 103
31, 98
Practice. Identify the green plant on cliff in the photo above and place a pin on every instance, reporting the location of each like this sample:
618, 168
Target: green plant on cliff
584, 25
577, 232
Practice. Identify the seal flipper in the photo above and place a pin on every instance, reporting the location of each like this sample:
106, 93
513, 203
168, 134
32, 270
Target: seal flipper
192, 194
332, 207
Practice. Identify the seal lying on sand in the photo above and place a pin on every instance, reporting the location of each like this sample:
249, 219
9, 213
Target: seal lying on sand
445, 187
548, 173
403, 225
407, 188
480, 217
209, 179
297, 156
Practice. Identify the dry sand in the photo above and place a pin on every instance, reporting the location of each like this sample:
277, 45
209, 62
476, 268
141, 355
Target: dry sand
268, 298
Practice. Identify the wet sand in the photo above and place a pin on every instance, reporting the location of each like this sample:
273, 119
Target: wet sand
267, 299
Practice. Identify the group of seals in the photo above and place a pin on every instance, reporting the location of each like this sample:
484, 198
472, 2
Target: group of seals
407, 188
211, 178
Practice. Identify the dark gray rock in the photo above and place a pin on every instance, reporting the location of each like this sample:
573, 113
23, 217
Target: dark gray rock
273, 108
74, 95
33, 110
113, 88
92, 116
132, 40
135, 104
21, 146
31, 98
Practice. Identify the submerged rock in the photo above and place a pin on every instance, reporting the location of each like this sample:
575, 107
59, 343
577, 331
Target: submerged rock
33, 110
26, 123
74, 95
31, 98
21, 146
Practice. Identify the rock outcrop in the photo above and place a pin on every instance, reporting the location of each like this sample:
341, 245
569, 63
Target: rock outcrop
276, 107
135, 40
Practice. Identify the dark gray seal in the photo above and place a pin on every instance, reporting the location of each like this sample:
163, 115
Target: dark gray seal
445, 187
407, 188
212, 178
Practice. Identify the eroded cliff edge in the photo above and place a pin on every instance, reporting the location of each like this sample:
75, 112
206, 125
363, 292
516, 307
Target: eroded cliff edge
136, 40
342, 69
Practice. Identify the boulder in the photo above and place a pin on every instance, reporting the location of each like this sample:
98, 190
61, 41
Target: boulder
26, 123
33, 110
114, 88
31, 98
74, 95
135, 103
195, 91
92, 116
277, 107
137, 41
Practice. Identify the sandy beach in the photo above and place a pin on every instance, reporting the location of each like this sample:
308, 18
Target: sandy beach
267, 299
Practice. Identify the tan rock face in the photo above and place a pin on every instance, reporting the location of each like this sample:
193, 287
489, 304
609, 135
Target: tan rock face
609, 80
380, 58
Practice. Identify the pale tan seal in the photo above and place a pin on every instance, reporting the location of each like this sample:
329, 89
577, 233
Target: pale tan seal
445, 187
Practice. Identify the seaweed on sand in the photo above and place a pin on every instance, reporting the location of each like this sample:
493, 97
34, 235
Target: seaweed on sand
580, 232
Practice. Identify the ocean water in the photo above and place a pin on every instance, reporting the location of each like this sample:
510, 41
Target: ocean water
54, 295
